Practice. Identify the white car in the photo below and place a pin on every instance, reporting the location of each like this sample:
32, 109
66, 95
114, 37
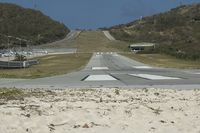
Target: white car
6, 55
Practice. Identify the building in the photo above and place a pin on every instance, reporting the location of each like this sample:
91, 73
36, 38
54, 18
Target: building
137, 47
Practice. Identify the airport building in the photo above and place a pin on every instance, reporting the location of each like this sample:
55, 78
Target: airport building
137, 47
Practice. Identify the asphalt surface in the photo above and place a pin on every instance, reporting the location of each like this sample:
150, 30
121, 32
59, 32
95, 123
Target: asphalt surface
113, 70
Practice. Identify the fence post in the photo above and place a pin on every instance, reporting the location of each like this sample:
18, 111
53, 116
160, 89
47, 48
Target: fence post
24, 64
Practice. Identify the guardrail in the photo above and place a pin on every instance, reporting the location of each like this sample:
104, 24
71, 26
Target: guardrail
18, 64
32, 62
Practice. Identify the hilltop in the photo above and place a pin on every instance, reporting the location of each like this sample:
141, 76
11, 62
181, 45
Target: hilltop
28, 24
177, 32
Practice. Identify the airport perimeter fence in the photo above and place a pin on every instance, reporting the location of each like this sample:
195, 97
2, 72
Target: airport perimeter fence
18, 64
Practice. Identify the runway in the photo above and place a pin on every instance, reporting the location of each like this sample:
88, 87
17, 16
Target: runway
114, 70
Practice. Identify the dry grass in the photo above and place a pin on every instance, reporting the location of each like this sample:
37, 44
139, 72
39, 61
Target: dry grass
90, 41
49, 66
96, 41
11, 94
64, 43
159, 60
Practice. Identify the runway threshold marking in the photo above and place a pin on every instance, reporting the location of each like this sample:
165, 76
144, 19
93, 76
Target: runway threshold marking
99, 68
142, 67
153, 77
100, 78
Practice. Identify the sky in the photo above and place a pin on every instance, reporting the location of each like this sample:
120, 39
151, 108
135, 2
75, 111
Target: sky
93, 14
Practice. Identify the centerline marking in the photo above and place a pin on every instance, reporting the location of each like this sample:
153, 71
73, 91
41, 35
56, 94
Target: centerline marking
99, 68
142, 67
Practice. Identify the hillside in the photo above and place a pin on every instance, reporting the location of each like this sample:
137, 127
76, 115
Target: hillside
28, 24
177, 32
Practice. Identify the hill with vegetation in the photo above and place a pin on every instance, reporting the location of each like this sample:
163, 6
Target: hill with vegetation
28, 24
177, 32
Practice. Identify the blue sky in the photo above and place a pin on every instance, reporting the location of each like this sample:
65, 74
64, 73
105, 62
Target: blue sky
92, 14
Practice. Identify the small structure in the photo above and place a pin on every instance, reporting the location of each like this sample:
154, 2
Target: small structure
137, 47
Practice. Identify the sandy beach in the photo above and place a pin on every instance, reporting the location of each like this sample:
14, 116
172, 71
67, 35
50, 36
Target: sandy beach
100, 110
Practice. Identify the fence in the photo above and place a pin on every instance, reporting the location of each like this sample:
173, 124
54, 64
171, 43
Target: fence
18, 64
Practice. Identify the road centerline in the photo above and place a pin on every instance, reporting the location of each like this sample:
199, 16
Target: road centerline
100, 68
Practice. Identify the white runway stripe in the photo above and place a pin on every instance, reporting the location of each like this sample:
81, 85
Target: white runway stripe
197, 73
100, 78
99, 68
153, 77
142, 67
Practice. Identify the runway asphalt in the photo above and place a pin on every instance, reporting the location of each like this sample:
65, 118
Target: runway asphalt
114, 70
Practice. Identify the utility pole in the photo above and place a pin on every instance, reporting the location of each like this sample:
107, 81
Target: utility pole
20, 49
8, 49
181, 3
35, 6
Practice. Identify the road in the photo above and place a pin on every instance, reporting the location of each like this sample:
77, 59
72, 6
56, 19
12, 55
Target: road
109, 36
114, 70
72, 35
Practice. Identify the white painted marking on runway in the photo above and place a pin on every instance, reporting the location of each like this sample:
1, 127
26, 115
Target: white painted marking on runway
115, 54
99, 68
196, 73
153, 77
100, 78
98, 55
142, 67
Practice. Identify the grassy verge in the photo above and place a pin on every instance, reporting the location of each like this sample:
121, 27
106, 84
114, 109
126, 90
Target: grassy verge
9, 94
166, 61
49, 66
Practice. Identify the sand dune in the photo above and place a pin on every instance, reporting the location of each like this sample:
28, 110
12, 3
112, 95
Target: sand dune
102, 110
